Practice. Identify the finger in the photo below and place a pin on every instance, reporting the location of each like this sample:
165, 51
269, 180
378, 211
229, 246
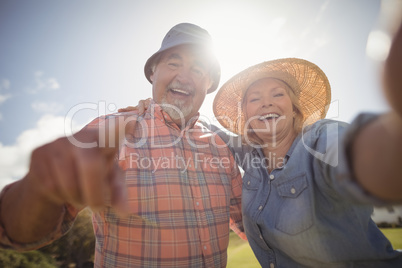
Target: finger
41, 175
117, 130
144, 105
92, 173
141, 108
147, 103
392, 78
53, 173
65, 174
118, 191
129, 127
94, 164
127, 109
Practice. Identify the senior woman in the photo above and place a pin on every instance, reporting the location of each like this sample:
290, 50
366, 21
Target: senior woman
301, 204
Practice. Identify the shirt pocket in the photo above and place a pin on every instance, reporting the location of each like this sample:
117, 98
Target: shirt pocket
294, 213
251, 180
251, 184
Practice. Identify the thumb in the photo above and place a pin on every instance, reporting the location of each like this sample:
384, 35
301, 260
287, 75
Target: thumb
116, 128
119, 192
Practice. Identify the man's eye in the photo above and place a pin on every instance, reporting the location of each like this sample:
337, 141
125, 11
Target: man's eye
198, 71
173, 64
254, 100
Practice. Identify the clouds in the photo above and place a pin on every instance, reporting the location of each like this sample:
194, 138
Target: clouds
40, 84
4, 94
4, 87
4, 97
47, 107
14, 159
43, 83
4, 84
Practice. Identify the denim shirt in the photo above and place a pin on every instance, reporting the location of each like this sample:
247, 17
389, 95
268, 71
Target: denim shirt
310, 212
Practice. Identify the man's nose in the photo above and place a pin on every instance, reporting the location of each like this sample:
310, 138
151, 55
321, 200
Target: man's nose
184, 75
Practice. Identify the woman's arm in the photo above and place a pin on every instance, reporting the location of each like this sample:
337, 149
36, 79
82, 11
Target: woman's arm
377, 149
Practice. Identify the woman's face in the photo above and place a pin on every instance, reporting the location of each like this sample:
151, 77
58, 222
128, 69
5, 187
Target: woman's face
269, 109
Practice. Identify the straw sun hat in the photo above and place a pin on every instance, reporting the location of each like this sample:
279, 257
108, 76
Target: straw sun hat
307, 80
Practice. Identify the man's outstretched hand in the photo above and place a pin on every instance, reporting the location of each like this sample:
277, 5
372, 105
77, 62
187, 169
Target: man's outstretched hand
80, 170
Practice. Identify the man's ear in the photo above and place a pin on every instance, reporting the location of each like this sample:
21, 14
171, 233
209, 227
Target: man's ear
151, 77
211, 82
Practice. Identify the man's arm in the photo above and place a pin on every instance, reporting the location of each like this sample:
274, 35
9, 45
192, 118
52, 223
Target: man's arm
62, 173
377, 149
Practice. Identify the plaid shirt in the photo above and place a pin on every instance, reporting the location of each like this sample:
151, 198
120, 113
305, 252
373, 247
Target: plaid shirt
184, 189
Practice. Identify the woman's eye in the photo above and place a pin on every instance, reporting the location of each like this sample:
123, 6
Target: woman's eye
278, 95
254, 100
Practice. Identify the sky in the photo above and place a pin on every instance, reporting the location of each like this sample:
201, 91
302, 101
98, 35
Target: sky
63, 63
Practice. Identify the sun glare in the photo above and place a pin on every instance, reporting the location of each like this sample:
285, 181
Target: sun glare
245, 45
378, 45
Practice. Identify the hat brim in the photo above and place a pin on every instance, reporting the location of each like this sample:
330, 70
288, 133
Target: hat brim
306, 79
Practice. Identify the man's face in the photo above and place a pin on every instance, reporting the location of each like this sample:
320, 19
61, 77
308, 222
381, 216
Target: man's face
180, 82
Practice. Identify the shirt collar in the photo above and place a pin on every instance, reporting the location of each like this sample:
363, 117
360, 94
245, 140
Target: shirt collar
157, 112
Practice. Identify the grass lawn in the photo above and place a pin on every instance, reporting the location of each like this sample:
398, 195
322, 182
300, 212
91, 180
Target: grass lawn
394, 235
240, 254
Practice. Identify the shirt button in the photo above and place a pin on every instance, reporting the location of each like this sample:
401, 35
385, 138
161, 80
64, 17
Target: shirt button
248, 183
271, 265
198, 203
271, 176
261, 237
293, 190
260, 208
205, 247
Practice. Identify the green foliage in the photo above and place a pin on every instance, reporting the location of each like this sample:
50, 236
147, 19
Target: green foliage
77, 246
29, 259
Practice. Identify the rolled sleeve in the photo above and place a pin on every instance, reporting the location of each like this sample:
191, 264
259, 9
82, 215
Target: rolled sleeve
64, 225
343, 178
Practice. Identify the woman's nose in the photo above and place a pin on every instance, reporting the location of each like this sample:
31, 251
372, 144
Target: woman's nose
267, 102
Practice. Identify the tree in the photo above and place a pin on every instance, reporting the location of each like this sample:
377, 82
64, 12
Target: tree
77, 246
30, 259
